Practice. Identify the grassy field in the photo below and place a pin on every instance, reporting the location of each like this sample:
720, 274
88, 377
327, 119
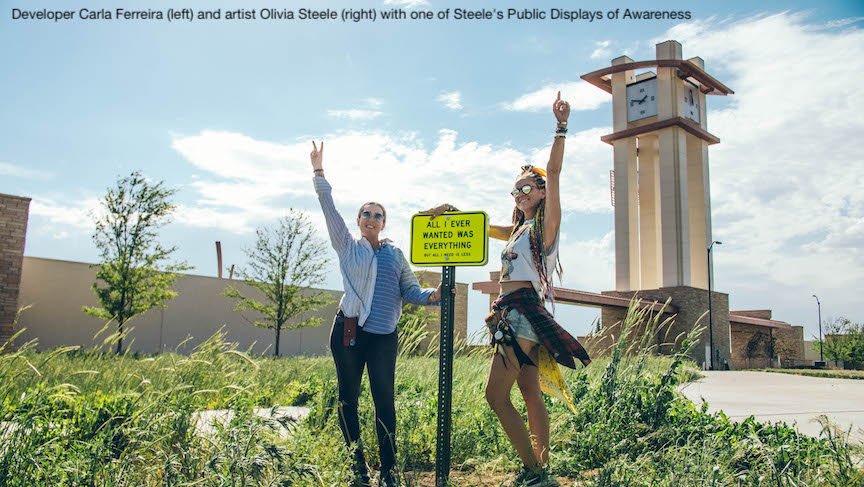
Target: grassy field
77, 417
827, 373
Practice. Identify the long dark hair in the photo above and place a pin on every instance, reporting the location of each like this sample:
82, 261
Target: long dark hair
536, 237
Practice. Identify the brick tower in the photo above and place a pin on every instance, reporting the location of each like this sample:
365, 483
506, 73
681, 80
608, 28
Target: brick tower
13, 228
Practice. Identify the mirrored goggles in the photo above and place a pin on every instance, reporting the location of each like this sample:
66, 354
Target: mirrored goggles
368, 215
524, 190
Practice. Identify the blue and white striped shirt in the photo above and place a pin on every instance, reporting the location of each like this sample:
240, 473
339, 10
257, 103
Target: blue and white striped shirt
375, 283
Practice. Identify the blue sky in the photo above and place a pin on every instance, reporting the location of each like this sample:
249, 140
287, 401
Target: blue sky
416, 113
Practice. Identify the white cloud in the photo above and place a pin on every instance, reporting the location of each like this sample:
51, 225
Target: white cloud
370, 109
355, 114
581, 95
843, 22
602, 51
246, 181
244, 178
585, 176
373, 102
76, 216
15, 171
235, 156
451, 100
234, 221
588, 264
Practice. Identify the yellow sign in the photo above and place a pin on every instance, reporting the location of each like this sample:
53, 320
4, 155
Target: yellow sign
452, 239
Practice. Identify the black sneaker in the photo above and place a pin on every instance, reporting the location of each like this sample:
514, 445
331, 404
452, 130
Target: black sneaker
362, 479
361, 473
534, 478
360, 469
388, 479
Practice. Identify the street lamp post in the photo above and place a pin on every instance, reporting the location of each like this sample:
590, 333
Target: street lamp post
710, 311
819, 307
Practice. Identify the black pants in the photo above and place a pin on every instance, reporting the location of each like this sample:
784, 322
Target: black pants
378, 354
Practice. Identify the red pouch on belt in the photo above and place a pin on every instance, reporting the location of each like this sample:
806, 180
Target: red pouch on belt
349, 335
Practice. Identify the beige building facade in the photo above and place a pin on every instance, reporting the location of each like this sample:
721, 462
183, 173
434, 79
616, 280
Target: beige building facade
56, 290
759, 341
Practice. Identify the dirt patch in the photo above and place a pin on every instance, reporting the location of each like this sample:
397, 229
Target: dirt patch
470, 479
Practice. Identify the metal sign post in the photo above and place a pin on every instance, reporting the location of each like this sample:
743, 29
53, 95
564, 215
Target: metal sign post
453, 239
445, 377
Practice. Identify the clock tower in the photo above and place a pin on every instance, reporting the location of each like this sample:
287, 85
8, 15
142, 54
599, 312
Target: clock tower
661, 182
660, 143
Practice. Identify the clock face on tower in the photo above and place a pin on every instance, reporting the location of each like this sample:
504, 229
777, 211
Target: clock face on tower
642, 99
691, 103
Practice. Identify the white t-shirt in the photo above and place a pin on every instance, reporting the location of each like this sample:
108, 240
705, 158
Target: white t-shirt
517, 262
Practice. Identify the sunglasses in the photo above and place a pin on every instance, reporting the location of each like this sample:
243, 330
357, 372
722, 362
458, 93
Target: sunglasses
368, 215
524, 190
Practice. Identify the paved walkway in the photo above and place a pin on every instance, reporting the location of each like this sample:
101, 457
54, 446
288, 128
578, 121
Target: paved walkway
205, 420
783, 397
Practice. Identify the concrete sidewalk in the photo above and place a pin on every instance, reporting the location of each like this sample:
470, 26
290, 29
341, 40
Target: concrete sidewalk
205, 421
783, 397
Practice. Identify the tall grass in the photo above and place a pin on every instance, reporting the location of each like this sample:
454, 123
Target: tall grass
77, 417
633, 428
82, 417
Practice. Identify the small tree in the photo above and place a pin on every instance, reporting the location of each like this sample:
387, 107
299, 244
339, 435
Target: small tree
134, 274
786, 349
286, 260
844, 341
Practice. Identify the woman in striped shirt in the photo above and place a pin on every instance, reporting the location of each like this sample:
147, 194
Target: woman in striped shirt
376, 278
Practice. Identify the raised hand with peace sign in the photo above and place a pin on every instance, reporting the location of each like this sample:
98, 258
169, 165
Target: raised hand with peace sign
317, 158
